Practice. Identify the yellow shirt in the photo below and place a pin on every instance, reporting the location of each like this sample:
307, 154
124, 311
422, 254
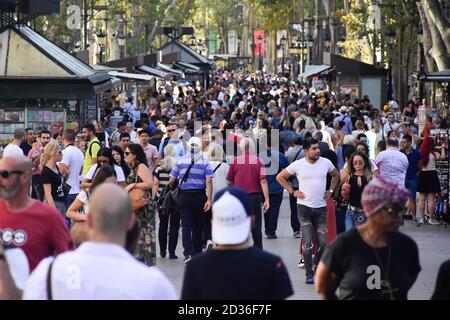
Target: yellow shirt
93, 147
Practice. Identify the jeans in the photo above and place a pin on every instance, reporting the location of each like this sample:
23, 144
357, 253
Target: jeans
312, 220
173, 217
255, 199
353, 218
271, 216
190, 207
295, 224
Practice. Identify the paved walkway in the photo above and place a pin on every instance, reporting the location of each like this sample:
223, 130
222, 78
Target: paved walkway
433, 242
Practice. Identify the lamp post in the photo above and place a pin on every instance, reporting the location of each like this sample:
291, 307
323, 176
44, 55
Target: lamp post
101, 36
390, 35
283, 45
260, 52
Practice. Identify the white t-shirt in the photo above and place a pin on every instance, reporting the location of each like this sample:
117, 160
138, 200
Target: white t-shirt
219, 180
84, 198
82, 275
119, 173
73, 158
12, 150
312, 180
18, 266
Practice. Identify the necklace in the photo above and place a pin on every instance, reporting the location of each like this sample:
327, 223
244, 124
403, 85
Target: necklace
386, 282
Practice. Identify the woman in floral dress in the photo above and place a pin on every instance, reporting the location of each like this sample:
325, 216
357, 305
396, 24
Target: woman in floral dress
140, 177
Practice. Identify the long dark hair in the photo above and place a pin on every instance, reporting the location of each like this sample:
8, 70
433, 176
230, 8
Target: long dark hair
107, 152
367, 165
122, 164
137, 150
102, 174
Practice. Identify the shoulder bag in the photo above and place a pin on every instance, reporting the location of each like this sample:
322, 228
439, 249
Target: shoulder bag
138, 197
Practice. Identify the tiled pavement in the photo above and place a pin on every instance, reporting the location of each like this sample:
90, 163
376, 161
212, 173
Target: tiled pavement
433, 242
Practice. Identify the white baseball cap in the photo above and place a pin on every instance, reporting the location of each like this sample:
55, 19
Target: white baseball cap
231, 217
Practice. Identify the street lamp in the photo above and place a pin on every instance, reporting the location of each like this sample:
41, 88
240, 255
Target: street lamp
101, 36
390, 35
283, 45
260, 51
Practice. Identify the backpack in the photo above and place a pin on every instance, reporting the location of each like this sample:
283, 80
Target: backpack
90, 147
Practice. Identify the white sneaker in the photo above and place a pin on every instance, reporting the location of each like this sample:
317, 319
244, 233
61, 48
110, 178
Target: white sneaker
301, 264
433, 221
209, 245
419, 222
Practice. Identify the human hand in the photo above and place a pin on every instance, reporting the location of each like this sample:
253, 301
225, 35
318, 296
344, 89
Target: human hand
266, 206
207, 205
299, 195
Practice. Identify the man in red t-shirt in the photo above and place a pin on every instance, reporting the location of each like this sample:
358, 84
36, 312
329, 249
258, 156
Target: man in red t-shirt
247, 172
25, 223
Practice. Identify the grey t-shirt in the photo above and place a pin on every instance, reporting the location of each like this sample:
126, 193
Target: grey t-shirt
293, 155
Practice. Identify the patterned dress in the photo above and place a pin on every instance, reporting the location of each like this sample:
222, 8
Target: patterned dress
146, 246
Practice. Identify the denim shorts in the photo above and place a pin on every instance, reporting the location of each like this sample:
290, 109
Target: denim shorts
411, 185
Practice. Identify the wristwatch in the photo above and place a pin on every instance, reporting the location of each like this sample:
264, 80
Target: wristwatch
331, 191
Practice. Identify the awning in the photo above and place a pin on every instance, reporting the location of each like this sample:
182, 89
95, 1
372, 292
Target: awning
313, 70
168, 69
187, 66
152, 71
440, 76
130, 76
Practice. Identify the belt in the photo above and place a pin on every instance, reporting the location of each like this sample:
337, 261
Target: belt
192, 190
355, 209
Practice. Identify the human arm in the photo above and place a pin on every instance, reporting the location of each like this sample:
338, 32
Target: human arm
146, 178
325, 282
48, 194
283, 180
265, 189
8, 289
443, 154
208, 194
73, 211
155, 187
86, 184
335, 178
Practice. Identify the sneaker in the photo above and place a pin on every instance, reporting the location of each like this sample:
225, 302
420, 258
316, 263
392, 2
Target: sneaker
272, 236
309, 279
433, 221
163, 254
172, 256
407, 217
414, 221
187, 259
209, 245
301, 264
419, 222
297, 234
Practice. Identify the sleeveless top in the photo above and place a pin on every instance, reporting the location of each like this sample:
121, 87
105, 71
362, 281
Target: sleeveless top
356, 191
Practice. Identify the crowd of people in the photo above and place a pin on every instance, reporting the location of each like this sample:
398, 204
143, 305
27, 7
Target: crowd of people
216, 162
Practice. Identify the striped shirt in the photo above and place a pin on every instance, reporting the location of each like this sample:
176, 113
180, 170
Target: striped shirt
163, 178
198, 174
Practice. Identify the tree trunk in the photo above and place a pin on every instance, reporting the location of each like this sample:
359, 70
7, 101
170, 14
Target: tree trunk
426, 38
438, 50
442, 24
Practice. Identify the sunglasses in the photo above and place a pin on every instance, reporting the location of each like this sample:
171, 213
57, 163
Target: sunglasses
127, 153
5, 174
396, 210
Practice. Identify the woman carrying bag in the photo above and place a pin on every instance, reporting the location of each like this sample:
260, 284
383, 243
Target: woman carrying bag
139, 185
51, 178
161, 176
79, 209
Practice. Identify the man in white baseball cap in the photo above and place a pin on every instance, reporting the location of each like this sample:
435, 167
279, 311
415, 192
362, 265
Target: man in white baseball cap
234, 269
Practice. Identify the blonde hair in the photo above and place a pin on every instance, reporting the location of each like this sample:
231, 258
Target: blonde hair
359, 125
215, 152
50, 150
168, 162
310, 124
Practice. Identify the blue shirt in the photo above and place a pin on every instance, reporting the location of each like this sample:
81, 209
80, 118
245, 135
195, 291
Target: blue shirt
348, 126
413, 158
179, 145
274, 162
198, 174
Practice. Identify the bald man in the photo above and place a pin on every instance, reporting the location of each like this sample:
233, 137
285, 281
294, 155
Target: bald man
124, 278
25, 223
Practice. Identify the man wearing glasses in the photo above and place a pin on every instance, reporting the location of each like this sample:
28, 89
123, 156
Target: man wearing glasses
25, 223
173, 137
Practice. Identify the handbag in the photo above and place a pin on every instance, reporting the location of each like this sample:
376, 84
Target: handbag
138, 197
65, 185
79, 230
171, 197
